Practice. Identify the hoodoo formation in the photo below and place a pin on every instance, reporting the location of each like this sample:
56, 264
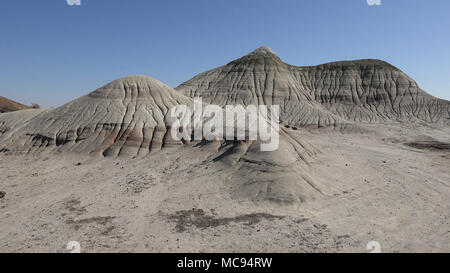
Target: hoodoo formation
131, 116
127, 116
369, 91
265, 151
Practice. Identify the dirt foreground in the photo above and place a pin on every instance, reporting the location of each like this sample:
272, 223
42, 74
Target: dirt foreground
388, 183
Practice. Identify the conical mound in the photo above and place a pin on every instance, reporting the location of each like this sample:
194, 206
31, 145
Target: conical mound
328, 94
259, 78
131, 116
126, 116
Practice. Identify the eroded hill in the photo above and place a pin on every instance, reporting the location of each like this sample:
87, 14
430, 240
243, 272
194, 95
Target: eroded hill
369, 91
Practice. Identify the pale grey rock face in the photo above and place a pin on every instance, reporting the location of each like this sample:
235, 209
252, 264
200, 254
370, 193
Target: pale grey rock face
130, 116
328, 94
127, 116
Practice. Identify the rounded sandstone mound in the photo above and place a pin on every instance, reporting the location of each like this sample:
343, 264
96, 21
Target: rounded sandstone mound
127, 116
366, 91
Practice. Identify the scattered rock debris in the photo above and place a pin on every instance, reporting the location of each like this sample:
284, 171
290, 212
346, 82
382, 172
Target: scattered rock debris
198, 219
429, 145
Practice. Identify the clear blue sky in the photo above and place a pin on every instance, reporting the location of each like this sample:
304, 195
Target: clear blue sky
51, 53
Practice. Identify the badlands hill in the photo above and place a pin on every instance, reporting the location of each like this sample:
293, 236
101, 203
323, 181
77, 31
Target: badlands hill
369, 91
130, 117
126, 116
103, 169
7, 105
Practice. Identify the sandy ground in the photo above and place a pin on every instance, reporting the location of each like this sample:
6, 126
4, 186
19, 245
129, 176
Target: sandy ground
376, 187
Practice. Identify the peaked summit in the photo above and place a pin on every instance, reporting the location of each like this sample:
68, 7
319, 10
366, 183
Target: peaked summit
328, 94
127, 116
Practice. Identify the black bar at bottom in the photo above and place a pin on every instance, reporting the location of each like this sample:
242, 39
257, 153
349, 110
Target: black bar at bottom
219, 262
